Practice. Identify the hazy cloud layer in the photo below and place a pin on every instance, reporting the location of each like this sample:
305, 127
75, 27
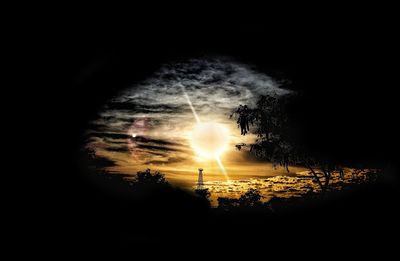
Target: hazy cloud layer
147, 123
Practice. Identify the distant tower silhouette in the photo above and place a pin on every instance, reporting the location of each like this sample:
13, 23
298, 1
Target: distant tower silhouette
200, 183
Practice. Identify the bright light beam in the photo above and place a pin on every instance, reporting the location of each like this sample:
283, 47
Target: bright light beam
191, 105
221, 166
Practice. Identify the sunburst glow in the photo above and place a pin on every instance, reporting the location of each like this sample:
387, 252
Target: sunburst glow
209, 140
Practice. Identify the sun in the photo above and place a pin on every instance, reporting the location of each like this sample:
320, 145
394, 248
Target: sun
209, 140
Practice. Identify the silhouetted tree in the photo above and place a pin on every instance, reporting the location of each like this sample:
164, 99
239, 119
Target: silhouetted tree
274, 142
148, 178
250, 199
203, 193
228, 204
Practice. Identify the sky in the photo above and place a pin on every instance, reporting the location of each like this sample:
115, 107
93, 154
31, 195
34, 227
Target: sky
151, 123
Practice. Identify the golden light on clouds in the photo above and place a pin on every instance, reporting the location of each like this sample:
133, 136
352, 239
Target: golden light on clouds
209, 140
178, 120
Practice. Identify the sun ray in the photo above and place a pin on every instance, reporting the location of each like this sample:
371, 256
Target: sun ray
191, 105
221, 166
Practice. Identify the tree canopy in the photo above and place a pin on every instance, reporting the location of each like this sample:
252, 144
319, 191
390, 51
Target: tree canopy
275, 143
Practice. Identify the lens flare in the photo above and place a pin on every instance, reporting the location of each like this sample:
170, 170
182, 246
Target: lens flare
209, 140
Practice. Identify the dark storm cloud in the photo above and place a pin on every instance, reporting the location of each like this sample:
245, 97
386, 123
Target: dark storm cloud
148, 108
110, 135
158, 148
119, 138
123, 149
106, 140
120, 121
155, 141
167, 161
117, 142
232, 92
156, 153
104, 162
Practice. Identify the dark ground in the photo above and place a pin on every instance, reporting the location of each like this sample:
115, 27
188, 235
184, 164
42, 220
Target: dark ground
340, 67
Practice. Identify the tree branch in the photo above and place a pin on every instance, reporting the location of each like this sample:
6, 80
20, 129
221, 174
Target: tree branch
316, 176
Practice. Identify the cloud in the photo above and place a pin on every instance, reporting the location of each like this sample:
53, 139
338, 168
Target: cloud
166, 161
154, 141
118, 149
158, 148
142, 107
109, 135
157, 111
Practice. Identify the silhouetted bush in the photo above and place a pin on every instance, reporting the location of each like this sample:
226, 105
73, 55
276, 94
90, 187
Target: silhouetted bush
227, 203
251, 200
203, 193
148, 178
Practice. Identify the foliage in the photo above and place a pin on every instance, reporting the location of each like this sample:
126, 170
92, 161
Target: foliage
250, 199
203, 193
148, 178
275, 143
227, 203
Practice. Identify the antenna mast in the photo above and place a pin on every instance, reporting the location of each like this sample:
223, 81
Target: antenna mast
200, 184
